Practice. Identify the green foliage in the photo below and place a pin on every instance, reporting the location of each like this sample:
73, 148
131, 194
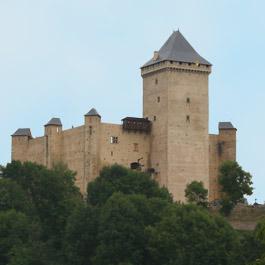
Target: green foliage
190, 235
14, 232
226, 206
235, 183
47, 197
250, 248
259, 261
196, 193
127, 219
12, 196
120, 179
121, 237
80, 238
260, 232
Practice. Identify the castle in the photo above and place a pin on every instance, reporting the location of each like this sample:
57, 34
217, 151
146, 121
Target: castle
171, 141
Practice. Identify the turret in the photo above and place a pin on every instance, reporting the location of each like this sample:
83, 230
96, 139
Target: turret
227, 141
53, 126
20, 140
92, 147
53, 131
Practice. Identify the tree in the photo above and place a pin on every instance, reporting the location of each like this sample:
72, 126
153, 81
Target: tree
190, 235
52, 197
127, 220
12, 196
260, 261
80, 238
196, 193
14, 232
250, 248
259, 235
120, 179
122, 224
260, 232
235, 183
52, 192
121, 237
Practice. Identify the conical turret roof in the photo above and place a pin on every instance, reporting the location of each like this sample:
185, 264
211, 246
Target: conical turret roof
177, 49
54, 121
93, 112
22, 132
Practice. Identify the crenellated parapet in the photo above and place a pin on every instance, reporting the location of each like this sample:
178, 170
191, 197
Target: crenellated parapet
161, 66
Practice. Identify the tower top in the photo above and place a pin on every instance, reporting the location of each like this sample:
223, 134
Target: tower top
93, 112
22, 132
54, 121
177, 49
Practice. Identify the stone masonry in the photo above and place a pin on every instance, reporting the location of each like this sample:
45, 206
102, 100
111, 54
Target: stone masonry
171, 141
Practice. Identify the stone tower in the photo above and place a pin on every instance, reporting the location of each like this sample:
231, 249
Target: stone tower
92, 147
52, 132
175, 99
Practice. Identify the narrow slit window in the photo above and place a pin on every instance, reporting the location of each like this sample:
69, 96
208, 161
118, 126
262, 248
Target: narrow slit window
158, 99
188, 118
188, 100
135, 147
154, 118
156, 81
90, 130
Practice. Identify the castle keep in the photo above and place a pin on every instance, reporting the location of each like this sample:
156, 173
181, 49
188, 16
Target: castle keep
171, 141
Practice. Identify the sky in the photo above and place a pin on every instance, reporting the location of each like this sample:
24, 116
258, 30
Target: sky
59, 58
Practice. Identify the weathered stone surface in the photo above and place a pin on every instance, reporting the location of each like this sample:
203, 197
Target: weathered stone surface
178, 149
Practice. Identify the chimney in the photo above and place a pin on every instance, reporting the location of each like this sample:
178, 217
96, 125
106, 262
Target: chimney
156, 56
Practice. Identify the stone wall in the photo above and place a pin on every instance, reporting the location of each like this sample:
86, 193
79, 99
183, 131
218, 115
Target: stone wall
175, 98
221, 147
85, 149
245, 217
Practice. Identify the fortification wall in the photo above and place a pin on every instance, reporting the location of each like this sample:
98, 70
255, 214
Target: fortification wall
36, 150
72, 151
20, 148
214, 163
28, 149
130, 146
245, 217
222, 147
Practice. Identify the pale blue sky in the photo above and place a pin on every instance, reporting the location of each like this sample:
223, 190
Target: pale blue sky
62, 57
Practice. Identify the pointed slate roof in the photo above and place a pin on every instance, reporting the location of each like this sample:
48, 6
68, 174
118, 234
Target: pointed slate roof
93, 112
226, 125
54, 121
22, 132
178, 49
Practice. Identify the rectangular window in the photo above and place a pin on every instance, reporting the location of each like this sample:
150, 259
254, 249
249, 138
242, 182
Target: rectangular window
187, 118
158, 99
114, 139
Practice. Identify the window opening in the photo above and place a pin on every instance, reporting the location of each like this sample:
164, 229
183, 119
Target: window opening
114, 139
